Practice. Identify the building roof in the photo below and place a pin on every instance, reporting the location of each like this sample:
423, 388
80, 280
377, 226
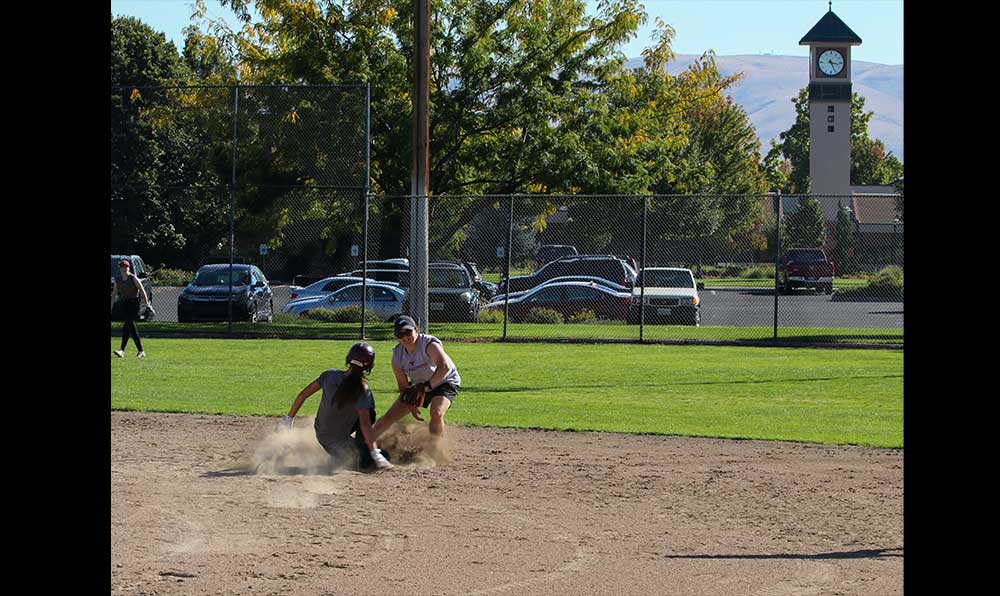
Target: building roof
830, 29
874, 209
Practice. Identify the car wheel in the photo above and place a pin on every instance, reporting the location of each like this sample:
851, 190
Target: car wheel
829, 288
270, 312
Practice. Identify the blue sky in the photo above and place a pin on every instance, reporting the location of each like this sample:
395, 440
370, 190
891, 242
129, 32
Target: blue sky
729, 27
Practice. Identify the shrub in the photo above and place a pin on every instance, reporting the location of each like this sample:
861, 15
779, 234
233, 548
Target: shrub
348, 314
170, 277
491, 315
543, 315
887, 284
584, 316
284, 318
890, 278
758, 272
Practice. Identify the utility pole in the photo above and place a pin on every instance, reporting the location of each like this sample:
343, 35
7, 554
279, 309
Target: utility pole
421, 162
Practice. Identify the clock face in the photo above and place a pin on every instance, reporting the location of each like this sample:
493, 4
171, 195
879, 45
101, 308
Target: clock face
831, 62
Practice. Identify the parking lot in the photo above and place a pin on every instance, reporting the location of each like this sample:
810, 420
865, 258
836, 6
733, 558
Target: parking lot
730, 307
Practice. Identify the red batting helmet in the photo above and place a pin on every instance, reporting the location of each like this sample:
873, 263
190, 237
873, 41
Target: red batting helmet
361, 355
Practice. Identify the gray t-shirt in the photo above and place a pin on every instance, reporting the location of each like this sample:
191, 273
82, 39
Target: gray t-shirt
418, 366
335, 424
128, 288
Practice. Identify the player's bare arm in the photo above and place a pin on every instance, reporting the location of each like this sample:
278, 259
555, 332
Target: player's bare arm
302, 397
365, 423
437, 355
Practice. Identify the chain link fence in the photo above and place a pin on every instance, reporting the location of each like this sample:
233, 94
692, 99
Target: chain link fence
271, 182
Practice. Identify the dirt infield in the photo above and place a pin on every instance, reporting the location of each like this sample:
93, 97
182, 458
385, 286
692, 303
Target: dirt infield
222, 505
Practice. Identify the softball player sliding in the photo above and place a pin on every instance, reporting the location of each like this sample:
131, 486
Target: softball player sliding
347, 406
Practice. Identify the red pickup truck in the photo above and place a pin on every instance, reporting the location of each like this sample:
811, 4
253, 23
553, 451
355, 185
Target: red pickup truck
805, 268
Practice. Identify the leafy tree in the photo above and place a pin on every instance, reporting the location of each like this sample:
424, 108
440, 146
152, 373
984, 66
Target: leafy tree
870, 163
843, 240
528, 96
488, 230
804, 228
165, 197
777, 170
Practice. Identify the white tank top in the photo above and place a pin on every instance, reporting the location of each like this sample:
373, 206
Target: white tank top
418, 366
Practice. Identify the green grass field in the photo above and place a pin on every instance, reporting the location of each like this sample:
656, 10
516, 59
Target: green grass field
839, 396
293, 328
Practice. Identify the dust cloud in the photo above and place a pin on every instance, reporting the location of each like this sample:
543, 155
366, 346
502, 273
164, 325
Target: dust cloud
296, 451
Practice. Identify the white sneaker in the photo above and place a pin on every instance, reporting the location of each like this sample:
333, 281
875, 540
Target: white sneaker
140, 355
380, 461
120, 353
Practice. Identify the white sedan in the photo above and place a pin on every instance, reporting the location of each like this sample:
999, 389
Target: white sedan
385, 300
326, 286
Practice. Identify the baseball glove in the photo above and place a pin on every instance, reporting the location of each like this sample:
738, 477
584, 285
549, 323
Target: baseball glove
413, 396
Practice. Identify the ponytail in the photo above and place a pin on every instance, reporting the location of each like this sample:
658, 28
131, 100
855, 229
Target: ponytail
351, 387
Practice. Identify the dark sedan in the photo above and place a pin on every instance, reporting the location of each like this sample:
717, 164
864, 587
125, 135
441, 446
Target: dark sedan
569, 298
207, 297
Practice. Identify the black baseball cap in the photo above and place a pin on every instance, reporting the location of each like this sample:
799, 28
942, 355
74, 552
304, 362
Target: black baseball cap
404, 323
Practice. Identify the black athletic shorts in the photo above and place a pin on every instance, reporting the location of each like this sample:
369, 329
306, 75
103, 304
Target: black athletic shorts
447, 390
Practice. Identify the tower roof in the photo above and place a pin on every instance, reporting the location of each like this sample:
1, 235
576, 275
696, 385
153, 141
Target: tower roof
830, 29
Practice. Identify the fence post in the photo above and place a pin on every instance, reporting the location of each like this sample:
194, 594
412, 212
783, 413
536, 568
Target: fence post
232, 204
364, 236
777, 256
510, 233
642, 269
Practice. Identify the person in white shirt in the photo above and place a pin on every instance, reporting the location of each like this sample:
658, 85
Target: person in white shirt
420, 358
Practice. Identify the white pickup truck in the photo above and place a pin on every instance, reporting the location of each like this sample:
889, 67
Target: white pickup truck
670, 297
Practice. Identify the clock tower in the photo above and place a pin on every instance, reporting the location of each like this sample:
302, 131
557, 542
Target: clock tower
830, 42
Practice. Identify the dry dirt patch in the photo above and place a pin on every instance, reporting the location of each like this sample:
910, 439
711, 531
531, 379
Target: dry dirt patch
221, 505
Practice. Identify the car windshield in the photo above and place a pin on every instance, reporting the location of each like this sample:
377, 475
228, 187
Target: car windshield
220, 277
447, 278
666, 279
809, 256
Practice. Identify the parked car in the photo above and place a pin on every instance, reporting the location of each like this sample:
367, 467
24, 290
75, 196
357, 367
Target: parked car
305, 279
385, 300
550, 252
400, 277
327, 286
568, 298
805, 268
609, 267
206, 298
138, 267
670, 296
451, 294
585, 278
486, 289
397, 263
